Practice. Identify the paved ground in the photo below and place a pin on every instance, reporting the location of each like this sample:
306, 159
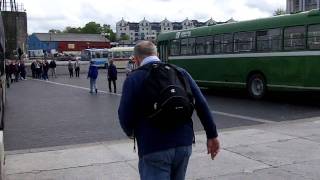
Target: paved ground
61, 112
278, 151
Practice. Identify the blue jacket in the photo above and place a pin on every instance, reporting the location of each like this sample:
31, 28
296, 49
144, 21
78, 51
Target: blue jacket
150, 139
93, 72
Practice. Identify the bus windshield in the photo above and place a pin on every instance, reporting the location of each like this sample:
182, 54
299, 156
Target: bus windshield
98, 56
120, 56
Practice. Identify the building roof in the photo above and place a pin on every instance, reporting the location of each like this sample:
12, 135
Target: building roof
71, 37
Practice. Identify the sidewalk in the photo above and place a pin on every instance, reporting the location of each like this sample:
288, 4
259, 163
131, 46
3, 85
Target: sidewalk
277, 151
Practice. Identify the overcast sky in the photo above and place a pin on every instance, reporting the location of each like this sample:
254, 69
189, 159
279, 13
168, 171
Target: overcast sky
57, 14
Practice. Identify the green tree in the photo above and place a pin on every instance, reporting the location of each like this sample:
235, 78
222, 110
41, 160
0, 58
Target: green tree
279, 11
70, 29
55, 31
124, 37
108, 32
91, 28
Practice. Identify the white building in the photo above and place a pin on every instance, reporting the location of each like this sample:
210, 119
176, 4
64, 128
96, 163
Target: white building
145, 30
302, 5
187, 24
166, 25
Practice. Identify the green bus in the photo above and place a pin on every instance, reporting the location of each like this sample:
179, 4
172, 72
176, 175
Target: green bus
276, 53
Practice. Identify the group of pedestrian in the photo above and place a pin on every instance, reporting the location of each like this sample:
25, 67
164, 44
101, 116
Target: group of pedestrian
41, 68
74, 66
15, 71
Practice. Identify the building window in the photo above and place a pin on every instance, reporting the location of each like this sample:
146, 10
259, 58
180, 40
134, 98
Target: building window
296, 5
311, 4
314, 37
244, 42
71, 46
269, 40
120, 29
294, 38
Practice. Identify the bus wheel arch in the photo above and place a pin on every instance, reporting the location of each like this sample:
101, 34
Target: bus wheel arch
256, 84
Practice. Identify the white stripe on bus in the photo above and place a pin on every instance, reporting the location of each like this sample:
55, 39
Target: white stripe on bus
221, 82
244, 55
268, 85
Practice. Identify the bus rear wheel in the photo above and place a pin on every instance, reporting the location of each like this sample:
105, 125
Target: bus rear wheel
257, 86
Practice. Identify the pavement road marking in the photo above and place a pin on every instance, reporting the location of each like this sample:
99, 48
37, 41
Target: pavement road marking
214, 112
73, 86
243, 117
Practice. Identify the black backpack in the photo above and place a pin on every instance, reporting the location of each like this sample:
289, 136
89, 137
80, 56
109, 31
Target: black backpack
167, 98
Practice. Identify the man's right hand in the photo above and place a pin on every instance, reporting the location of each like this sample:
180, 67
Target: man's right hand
213, 147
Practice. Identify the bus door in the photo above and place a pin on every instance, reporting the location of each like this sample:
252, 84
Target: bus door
164, 50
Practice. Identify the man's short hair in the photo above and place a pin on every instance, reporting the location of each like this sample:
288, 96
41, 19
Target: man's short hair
145, 48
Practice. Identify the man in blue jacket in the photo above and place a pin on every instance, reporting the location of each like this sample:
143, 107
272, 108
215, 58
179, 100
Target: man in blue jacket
163, 155
93, 75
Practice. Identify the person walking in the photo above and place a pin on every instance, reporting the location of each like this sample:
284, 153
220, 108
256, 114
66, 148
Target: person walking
112, 76
33, 69
45, 69
12, 71
38, 69
130, 66
53, 67
165, 135
70, 68
8, 75
93, 75
17, 71
77, 68
22, 70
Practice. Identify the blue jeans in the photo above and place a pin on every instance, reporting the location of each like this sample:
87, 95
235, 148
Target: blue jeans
93, 84
169, 164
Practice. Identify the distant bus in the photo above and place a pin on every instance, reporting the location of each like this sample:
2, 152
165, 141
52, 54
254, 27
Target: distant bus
98, 56
120, 56
33, 54
276, 53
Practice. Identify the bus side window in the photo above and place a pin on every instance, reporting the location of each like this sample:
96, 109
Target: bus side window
201, 45
209, 45
98, 55
294, 38
314, 37
105, 54
175, 48
227, 43
269, 40
244, 42
217, 44
184, 47
191, 46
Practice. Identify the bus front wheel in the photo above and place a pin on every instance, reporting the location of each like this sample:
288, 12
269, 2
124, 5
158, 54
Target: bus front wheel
257, 86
